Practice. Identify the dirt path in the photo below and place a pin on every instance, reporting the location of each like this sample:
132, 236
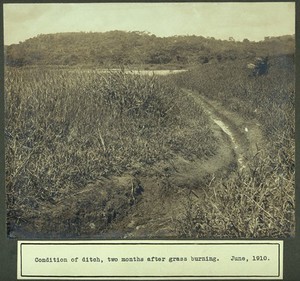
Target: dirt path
163, 202
245, 135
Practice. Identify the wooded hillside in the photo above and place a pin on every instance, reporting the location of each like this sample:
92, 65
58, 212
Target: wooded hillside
138, 48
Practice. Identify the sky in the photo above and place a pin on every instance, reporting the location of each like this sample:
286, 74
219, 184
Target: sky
253, 21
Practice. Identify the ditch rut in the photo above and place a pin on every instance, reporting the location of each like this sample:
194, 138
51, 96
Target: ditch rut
159, 209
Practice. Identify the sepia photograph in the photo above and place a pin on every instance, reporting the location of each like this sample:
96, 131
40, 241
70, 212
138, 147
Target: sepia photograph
149, 120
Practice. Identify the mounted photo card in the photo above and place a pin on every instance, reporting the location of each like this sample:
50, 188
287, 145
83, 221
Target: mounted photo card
149, 141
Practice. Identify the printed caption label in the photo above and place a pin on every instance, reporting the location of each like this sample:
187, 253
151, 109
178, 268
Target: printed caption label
151, 260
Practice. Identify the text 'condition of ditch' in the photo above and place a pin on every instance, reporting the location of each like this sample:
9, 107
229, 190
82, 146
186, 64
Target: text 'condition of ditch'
137, 260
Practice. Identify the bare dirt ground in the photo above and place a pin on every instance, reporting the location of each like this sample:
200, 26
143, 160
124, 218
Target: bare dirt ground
156, 213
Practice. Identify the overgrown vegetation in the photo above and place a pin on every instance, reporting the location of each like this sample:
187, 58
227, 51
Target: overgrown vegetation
66, 130
258, 201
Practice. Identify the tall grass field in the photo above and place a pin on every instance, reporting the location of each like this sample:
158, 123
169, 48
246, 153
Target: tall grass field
79, 143
66, 130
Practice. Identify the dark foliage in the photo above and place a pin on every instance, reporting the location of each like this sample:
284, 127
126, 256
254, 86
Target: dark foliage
139, 48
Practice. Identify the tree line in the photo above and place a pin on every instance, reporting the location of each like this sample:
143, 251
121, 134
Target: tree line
138, 48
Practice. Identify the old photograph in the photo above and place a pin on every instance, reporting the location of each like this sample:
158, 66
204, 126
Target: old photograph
150, 120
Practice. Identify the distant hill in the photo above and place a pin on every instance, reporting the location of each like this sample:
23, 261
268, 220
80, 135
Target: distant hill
138, 48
